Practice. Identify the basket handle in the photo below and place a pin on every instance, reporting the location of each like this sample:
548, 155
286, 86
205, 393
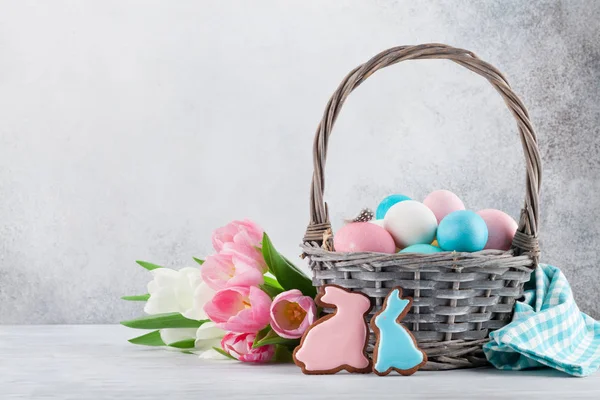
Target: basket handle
526, 238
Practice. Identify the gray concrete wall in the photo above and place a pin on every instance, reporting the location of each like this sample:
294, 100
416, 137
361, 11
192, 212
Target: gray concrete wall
131, 129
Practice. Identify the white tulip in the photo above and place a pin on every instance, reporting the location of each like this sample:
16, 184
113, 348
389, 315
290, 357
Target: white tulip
173, 291
174, 335
207, 337
184, 292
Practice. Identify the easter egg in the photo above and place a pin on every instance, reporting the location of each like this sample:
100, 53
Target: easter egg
442, 203
421, 248
462, 231
363, 236
501, 228
378, 222
410, 222
386, 203
435, 243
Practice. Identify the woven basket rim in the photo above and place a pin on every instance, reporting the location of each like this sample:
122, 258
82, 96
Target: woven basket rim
451, 260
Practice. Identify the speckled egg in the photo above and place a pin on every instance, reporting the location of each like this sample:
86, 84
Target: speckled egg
462, 231
501, 228
410, 222
421, 248
363, 236
442, 203
388, 202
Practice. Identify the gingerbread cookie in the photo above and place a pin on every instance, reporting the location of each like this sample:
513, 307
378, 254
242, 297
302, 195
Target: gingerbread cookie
337, 341
396, 348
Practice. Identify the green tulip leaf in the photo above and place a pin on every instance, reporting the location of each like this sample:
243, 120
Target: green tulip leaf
199, 261
139, 297
272, 338
184, 344
149, 339
261, 335
163, 321
269, 280
224, 353
271, 290
148, 266
282, 354
288, 275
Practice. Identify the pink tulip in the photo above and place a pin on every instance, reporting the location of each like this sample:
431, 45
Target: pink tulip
239, 346
226, 270
292, 314
241, 238
239, 309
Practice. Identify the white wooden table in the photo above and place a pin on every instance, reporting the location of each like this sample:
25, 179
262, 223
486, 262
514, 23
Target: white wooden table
96, 362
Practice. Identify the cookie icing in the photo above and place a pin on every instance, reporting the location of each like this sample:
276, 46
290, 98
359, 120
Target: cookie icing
395, 348
337, 341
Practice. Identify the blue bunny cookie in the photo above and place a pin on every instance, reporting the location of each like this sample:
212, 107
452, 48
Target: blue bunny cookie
396, 348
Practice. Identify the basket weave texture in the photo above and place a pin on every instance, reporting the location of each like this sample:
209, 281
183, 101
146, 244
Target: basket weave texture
459, 298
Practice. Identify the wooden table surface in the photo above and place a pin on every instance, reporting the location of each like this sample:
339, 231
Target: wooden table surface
96, 362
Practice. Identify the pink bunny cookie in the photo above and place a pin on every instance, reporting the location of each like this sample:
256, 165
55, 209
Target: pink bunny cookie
336, 341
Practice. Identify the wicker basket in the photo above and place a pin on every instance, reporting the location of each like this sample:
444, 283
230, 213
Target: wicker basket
458, 297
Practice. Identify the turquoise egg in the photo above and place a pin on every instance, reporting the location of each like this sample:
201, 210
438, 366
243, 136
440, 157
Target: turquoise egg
386, 203
421, 248
462, 231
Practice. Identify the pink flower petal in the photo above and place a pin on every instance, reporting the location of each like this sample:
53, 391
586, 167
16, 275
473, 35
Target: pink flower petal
247, 278
261, 305
239, 345
284, 323
241, 232
226, 303
217, 270
243, 322
278, 316
290, 295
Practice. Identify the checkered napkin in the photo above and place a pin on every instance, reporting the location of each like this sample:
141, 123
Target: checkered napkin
547, 330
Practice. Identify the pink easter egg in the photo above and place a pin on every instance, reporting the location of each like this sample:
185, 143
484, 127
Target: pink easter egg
442, 203
501, 228
363, 236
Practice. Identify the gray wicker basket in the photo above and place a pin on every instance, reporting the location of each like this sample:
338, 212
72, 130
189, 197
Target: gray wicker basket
458, 297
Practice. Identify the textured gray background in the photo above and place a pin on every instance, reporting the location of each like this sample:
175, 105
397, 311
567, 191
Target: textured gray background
130, 129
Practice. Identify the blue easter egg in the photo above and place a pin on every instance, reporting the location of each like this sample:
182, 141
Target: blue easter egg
462, 230
386, 203
421, 248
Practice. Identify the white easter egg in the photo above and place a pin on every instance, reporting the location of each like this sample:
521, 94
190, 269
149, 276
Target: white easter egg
410, 222
378, 222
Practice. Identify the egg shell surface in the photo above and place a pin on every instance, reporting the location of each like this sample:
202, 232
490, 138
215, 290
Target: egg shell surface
501, 228
363, 236
388, 202
421, 248
442, 203
410, 222
463, 231
378, 222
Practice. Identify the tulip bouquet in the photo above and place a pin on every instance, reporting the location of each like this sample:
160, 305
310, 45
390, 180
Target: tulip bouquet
246, 301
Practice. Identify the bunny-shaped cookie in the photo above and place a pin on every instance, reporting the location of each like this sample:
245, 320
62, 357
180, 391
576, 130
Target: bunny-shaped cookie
396, 348
337, 341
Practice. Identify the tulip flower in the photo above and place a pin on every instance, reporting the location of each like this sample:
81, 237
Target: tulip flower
239, 309
239, 346
240, 238
185, 292
292, 314
226, 270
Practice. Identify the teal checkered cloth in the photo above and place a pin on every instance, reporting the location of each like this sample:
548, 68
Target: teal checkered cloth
547, 330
